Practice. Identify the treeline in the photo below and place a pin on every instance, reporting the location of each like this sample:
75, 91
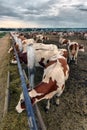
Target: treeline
12, 29
32, 29
21, 29
43, 29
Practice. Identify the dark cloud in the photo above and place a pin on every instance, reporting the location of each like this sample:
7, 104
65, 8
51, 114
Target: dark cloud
47, 13
80, 7
83, 10
6, 11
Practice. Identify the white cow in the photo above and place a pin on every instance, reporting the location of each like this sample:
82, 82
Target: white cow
85, 36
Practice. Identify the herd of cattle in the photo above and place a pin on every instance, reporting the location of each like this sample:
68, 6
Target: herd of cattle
55, 62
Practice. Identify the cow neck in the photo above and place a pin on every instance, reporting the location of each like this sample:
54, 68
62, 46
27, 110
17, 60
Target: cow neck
50, 63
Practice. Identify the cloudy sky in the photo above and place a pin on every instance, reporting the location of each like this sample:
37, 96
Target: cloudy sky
43, 13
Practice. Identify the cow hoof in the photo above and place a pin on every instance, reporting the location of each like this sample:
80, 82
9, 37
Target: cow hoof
13, 62
57, 105
46, 111
57, 102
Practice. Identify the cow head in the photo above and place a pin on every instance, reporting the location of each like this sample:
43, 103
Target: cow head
66, 42
81, 48
21, 36
73, 49
21, 104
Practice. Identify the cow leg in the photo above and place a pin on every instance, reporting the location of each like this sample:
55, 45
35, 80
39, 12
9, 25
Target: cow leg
48, 105
58, 95
57, 101
76, 61
13, 61
69, 60
11, 48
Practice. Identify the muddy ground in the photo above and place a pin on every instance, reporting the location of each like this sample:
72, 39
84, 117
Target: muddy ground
71, 114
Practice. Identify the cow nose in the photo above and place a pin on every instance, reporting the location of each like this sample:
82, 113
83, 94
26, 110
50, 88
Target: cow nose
73, 52
18, 109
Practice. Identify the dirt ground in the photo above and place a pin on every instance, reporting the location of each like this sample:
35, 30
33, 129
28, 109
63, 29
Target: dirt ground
3, 70
71, 114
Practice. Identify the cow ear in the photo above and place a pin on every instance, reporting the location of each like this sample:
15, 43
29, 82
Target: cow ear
81, 48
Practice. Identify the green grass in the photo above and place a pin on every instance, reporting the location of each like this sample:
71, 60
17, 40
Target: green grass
2, 34
13, 120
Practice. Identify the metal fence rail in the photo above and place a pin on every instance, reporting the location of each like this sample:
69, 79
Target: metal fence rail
29, 109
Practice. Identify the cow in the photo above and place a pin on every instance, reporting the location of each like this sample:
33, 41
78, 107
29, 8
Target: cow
20, 40
73, 49
63, 41
39, 57
35, 38
39, 38
64, 52
85, 36
56, 72
17, 43
26, 40
42, 52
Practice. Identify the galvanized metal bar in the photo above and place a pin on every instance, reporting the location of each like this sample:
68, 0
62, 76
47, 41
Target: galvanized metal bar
29, 109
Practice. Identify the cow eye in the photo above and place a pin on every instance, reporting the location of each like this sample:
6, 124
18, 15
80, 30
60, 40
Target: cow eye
22, 101
22, 104
71, 47
47, 61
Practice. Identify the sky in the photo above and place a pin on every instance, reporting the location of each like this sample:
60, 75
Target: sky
43, 13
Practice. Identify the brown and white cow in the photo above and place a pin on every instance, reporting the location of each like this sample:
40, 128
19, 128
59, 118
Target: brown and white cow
55, 74
73, 49
63, 41
17, 43
39, 37
42, 52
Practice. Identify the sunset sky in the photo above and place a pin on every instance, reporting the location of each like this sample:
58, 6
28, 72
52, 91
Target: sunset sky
43, 13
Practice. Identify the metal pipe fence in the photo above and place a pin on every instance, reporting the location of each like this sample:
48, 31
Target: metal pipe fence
29, 109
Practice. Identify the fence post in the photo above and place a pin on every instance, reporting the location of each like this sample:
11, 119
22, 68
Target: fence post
6, 95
